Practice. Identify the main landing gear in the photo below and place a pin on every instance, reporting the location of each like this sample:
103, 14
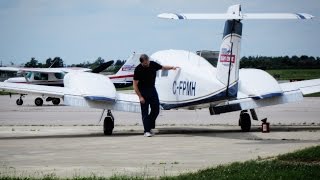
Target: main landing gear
19, 101
39, 100
108, 124
245, 119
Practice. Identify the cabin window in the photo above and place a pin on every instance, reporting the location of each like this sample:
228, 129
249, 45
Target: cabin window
59, 75
164, 73
28, 75
40, 76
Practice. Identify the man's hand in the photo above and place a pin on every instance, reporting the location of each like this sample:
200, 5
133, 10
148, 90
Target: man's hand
142, 101
170, 67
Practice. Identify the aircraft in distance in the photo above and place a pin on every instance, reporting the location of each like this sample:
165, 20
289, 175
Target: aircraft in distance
196, 84
54, 77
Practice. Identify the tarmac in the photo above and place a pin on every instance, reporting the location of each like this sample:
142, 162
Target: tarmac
67, 141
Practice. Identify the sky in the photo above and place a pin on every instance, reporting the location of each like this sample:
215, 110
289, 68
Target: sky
83, 30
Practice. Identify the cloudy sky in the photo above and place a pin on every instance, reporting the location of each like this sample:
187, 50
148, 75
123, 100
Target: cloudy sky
81, 30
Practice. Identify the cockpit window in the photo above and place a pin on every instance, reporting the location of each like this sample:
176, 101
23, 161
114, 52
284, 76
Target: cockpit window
28, 75
40, 76
59, 75
164, 73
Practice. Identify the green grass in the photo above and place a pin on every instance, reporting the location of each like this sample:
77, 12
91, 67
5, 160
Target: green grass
287, 74
302, 164
308, 155
313, 95
5, 93
126, 88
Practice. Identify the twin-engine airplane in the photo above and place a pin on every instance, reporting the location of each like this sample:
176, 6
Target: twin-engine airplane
55, 76
197, 84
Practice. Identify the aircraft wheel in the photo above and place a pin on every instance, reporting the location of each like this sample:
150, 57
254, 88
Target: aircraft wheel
19, 102
56, 101
38, 101
108, 125
245, 122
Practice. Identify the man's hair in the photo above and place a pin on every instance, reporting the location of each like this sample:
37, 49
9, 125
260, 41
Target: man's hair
143, 57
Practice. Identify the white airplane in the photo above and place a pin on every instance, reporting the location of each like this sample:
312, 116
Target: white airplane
54, 76
197, 84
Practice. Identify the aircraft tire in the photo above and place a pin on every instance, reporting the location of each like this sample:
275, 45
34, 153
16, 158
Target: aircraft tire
56, 101
245, 122
38, 101
108, 125
19, 102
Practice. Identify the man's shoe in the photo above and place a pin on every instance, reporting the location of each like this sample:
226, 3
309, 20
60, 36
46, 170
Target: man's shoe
147, 134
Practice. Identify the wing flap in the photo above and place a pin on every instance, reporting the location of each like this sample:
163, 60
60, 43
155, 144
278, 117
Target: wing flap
250, 103
306, 87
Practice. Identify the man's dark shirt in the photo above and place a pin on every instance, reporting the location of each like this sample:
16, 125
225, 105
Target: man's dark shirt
146, 75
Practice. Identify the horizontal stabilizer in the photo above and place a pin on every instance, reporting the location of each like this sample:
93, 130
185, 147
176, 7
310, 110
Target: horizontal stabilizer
225, 16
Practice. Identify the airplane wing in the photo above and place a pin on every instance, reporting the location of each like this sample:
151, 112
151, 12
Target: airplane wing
51, 91
83, 90
292, 92
306, 87
45, 70
14, 69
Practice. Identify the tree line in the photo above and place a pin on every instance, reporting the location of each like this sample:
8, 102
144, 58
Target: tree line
258, 62
280, 62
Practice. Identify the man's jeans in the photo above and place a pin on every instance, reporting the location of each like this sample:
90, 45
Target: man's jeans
151, 98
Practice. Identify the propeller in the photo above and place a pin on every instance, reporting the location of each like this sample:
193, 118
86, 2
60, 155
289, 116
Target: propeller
102, 67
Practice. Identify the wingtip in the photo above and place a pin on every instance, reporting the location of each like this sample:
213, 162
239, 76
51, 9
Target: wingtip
170, 16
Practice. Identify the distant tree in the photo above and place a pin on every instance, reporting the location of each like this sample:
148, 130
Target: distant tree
48, 62
119, 63
97, 63
57, 62
281, 62
32, 63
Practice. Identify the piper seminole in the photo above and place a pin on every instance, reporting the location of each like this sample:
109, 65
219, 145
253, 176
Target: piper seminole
197, 84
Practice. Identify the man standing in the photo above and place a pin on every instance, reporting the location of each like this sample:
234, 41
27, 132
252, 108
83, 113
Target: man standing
144, 85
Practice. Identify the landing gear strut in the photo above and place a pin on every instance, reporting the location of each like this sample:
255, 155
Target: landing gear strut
19, 101
108, 124
245, 121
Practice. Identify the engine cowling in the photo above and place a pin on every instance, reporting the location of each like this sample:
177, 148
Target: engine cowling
255, 82
90, 84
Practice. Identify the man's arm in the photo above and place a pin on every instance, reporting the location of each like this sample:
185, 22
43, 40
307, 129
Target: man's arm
169, 67
136, 89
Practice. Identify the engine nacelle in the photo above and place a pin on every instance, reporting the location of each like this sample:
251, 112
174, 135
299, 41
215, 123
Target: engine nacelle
255, 82
90, 84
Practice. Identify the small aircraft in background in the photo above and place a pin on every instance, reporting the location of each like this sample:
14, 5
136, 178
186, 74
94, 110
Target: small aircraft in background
197, 84
54, 76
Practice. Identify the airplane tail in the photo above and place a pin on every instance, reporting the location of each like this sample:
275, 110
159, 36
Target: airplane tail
229, 56
129, 66
228, 61
124, 77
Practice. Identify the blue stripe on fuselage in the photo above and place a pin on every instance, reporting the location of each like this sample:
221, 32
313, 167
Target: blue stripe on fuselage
233, 90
